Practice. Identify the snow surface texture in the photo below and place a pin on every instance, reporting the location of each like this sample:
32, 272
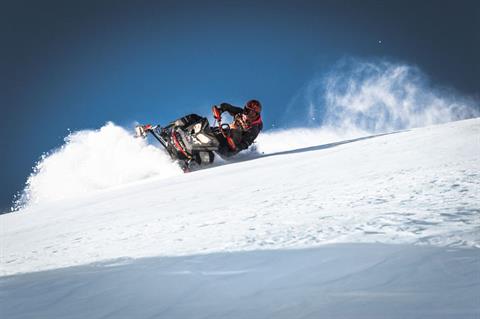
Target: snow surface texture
420, 186
334, 281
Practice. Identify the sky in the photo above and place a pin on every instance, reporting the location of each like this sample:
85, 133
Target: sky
67, 66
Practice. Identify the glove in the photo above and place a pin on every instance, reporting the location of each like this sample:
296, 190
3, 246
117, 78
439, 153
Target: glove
217, 113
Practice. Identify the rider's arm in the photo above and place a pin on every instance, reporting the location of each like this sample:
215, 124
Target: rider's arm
232, 110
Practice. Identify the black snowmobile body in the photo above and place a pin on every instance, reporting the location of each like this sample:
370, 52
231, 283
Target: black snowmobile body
189, 140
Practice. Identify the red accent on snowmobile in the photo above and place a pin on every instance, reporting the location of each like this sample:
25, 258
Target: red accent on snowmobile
231, 143
178, 146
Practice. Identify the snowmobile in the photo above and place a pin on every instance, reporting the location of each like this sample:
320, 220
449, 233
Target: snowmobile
190, 141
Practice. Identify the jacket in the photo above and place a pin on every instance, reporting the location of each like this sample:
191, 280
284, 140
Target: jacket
243, 132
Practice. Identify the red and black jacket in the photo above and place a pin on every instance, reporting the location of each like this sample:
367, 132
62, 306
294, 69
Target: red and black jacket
243, 137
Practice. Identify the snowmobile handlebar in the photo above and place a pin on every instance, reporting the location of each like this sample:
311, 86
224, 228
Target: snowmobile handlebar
224, 128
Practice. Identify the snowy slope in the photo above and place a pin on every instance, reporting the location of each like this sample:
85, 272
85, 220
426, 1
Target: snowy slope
384, 226
413, 187
332, 281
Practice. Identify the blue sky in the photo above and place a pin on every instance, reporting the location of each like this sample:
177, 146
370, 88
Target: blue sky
76, 65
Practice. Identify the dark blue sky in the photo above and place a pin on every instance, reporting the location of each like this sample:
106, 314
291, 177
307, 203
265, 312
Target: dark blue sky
77, 64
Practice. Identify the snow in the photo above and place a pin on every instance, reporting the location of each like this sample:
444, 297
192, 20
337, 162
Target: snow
377, 95
419, 186
91, 160
378, 224
333, 281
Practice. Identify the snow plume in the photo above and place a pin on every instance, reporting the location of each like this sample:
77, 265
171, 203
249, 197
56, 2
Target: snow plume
376, 96
381, 97
93, 160
357, 98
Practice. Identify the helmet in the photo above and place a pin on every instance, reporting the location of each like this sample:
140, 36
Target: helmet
253, 106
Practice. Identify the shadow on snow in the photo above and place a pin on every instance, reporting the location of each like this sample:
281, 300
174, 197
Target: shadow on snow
242, 157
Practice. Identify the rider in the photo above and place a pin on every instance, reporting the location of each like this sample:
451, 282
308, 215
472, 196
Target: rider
244, 129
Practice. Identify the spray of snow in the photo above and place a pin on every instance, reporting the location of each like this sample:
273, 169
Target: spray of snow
357, 98
94, 160
382, 97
